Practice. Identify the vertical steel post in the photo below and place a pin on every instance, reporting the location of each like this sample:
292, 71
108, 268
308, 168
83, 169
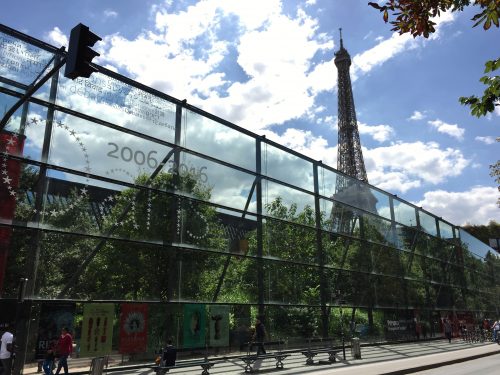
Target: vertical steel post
320, 256
260, 242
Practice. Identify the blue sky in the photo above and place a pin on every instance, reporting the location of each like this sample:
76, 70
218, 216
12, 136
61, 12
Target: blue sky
267, 65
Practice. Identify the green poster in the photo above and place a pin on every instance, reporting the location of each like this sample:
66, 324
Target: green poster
194, 326
219, 325
97, 329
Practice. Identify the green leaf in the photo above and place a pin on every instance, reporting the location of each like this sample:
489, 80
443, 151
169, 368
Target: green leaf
487, 24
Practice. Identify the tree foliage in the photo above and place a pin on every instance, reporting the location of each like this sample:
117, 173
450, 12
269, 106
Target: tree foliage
418, 19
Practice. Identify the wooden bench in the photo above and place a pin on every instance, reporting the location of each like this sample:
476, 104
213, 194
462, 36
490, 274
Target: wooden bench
313, 350
205, 364
251, 358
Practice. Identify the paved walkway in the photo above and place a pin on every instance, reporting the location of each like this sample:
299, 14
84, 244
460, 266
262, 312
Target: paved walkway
391, 359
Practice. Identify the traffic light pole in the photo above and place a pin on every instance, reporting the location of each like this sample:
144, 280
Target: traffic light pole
31, 91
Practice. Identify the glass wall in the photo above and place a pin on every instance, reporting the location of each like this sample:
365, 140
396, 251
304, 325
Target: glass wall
113, 192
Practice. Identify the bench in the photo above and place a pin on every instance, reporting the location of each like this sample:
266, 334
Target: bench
205, 364
250, 359
313, 351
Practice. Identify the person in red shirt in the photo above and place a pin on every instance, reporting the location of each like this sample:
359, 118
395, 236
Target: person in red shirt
64, 348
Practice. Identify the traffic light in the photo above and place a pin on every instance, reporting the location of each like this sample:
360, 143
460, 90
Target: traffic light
79, 53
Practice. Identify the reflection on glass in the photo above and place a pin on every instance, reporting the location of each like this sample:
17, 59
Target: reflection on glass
376, 229
283, 240
21, 61
356, 194
120, 104
223, 185
285, 203
445, 230
475, 246
327, 182
404, 213
427, 222
96, 149
214, 139
291, 283
287, 167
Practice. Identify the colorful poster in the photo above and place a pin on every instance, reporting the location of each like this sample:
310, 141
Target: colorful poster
97, 329
133, 328
52, 319
194, 326
219, 325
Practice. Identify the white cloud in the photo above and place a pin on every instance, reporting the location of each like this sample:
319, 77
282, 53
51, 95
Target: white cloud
109, 13
388, 48
451, 129
417, 115
402, 166
56, 36
489, 140
380, 133
475, 206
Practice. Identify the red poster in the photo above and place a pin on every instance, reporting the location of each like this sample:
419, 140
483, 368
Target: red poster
10, 144
133, 328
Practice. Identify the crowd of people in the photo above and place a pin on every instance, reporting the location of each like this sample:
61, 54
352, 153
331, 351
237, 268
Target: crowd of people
59, 352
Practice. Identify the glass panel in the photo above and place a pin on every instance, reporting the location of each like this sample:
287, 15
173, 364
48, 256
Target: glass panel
327, 180
475, 246
205, 226
386, 261
120, 104
445, 230
286, 283
377, 229
199, 274
427, 222
417, 294
295, 323
211, 138
288, 204
287, 167
405, 237
21, 61
22, 121
339, 218
356, 194
390, 291
288, 241
96, 149
218, 183
404, 213
382, 206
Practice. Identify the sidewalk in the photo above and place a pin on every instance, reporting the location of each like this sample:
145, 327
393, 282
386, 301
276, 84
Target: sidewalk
393, 359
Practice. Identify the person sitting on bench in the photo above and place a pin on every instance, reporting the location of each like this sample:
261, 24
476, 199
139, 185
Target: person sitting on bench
169, 355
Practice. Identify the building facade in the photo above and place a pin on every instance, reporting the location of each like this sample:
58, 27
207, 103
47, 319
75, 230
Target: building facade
134, 210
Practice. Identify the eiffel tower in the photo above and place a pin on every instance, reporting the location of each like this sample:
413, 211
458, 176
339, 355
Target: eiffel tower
349, 154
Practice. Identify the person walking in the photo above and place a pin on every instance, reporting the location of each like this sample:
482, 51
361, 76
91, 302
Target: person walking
447, 330
496, 331
48, 362
6, 350
64, 348
260, 335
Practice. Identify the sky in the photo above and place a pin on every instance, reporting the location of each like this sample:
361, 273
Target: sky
267, 66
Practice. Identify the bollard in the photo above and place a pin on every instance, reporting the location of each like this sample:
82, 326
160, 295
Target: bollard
355, 348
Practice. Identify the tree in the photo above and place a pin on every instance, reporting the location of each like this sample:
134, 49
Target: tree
416, 18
